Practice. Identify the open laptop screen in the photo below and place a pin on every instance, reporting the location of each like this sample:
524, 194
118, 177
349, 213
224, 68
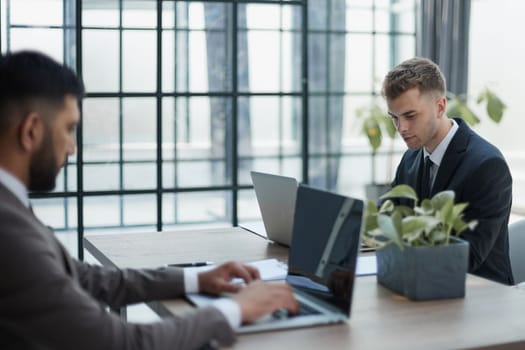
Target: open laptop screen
325, 243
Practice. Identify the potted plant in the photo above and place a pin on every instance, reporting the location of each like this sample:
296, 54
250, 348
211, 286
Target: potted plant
375, 125
418, 253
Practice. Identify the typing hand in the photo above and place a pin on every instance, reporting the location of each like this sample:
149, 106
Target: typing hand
259, 298
218, 280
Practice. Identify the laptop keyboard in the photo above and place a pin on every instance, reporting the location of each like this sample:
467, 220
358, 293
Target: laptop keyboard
303, 311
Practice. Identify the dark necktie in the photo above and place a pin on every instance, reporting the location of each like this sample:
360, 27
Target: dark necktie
425, 179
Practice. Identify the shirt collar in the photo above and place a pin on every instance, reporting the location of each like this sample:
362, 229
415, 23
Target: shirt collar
437, 156
14, 185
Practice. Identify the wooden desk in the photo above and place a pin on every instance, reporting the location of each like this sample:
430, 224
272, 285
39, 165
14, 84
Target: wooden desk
491, 316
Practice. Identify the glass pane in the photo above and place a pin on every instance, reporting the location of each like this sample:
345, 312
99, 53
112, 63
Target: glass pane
139, 14
291, 63
287, 166
71, 185
140, 209
23, 12
168, 61
102, 211
338, 61
101, 177
139, 65
405, 48
261, 16
406, 17
337, 15
196, 62
58, 213
199, 207
248, 207
353, 185
139, 121
359, 75
216, 16
210, 61
317, 14
3, 27
263, 61
201, 140
140, 176
198, 67
291, 17
48, 41
100, 72
359, 19
100, 127
383, 59
317, 65
100, 13
382, 21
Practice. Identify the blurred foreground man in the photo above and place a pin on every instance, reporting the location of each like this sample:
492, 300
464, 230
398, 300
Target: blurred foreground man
49, 300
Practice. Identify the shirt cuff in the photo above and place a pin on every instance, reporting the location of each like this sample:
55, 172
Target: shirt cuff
231, 311
191, 281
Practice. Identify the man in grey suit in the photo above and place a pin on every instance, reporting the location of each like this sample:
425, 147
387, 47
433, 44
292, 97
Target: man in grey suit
49, 300
455, 158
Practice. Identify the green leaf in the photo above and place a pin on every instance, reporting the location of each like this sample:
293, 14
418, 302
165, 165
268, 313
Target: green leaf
387, 207
414, 226
445, 213
387, 227
458, 209
401, 191
426, 208
404, 210
456, 108
495, 107
372, 130
370, 216
438, 237
389, 126
442, 198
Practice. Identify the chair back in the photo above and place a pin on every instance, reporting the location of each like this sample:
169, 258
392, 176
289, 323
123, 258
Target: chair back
517, 250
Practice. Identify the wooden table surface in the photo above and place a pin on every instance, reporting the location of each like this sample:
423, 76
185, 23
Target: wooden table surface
491, 316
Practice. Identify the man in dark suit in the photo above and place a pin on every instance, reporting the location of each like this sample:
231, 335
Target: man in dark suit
49, 300
457, 159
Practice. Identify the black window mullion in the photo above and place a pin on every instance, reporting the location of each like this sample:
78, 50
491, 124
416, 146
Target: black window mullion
159, 115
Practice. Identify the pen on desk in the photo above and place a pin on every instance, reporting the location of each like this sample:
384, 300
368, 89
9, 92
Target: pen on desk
192, 264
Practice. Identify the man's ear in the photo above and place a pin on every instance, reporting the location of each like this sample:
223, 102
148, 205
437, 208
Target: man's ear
31, 132
441, 106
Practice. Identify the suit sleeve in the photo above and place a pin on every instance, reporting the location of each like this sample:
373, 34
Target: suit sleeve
119, 287
43, 304
489, 193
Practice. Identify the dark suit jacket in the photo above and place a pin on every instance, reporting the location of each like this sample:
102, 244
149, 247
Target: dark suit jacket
50, 301
479, 175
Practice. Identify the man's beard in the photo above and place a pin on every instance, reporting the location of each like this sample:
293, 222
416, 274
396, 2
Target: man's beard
43, 168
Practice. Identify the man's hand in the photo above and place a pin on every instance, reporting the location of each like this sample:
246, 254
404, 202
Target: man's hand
217, 281
259, 298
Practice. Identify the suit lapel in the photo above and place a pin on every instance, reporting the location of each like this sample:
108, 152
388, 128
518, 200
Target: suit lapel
452, 158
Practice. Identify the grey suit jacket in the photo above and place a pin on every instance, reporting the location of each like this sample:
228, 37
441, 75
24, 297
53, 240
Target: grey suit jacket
50, 301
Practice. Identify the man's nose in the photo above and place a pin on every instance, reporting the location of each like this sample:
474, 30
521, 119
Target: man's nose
71, 148
402, 125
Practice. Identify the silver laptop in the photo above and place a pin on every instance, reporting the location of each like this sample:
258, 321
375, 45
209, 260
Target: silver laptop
276, 197
322, 261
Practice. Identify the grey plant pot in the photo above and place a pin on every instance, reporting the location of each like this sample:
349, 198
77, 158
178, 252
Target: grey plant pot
424, 273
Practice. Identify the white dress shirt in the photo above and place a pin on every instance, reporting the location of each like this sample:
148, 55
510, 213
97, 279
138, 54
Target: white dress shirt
437, 156
229, 308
